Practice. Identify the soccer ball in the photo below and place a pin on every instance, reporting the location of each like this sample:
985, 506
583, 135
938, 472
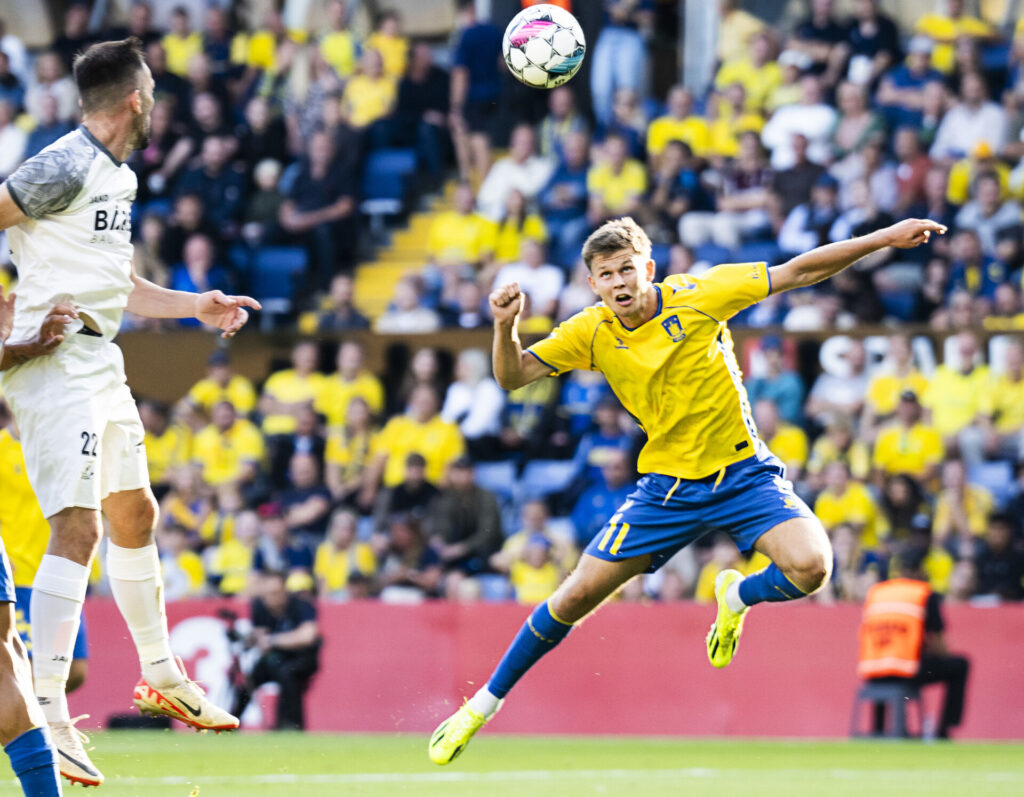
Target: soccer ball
544, 46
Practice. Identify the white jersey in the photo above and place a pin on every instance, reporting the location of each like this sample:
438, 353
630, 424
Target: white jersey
76, 244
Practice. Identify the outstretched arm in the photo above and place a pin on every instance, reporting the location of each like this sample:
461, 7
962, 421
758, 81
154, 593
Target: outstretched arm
513, 367
215, 308
827, 261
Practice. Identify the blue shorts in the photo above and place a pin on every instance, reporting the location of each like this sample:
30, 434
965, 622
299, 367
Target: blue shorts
665, 514
23, 621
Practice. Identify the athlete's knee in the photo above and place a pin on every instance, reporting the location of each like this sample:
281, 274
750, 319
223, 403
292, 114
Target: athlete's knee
133, 516
576, 598
75, 534
809, 569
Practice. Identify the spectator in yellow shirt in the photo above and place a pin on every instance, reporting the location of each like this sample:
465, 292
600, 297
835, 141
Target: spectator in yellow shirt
229, 562
534, 575
222, 384
980, 160
1002, 407
348, 453
945, 29
461, 235
908, 446
897, 375
421, 430
181, 43
787, 442
370, 94
168, 445
351, 380
338, 45
615, 185
183, 573
838, 444
757, 71
961, 509
388, 40
844, 501
340, 556
230, 449
287, 390
679, 124
732, 119
724, 555
535, 517
954, 395
521, 223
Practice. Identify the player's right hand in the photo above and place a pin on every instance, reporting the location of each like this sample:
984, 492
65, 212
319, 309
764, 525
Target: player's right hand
506, 303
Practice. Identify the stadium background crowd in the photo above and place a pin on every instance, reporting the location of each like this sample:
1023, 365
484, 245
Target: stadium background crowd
428, 480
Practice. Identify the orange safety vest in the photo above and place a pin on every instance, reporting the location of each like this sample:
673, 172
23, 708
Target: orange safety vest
892, 629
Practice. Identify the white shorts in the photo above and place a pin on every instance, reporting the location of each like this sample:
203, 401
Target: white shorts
80, 428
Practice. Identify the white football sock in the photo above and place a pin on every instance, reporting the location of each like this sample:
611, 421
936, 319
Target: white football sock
483, 702
58, 593
138, 590
732, 597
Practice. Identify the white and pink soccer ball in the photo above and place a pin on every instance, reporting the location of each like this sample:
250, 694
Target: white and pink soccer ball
544, 46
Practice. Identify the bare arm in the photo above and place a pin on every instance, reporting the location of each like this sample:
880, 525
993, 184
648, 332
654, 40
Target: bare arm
513, 367
215, 308
826, 261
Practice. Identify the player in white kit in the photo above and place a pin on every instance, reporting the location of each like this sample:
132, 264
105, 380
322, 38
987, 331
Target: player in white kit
68, 215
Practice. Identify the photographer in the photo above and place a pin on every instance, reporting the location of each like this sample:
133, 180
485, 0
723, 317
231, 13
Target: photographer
286, 632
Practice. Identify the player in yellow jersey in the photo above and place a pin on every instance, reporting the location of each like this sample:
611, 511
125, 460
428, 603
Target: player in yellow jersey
668, 356
26, 534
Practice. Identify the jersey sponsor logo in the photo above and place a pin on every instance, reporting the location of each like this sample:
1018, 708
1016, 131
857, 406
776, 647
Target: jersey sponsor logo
88, 472
674, 327
99, 198
120, 220
619, 344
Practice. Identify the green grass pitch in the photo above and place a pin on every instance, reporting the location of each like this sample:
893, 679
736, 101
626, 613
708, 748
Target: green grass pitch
162, 764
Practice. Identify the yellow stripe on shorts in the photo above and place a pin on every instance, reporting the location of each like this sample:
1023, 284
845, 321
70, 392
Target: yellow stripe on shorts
618, 540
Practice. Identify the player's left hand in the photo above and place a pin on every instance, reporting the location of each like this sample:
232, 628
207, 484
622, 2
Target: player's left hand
909, 233
227, 313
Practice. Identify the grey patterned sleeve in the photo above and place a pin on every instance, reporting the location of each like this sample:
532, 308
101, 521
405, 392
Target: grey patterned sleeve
48, 182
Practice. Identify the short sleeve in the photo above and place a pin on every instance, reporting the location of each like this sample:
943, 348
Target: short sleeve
568, 345
724, 290
48, 182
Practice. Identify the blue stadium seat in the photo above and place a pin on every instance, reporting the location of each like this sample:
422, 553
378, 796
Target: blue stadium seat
659, 253
996, 477
274, 279
900, 304
387, 174
546, 476
498, 477
494, 588
713, 254
757, 251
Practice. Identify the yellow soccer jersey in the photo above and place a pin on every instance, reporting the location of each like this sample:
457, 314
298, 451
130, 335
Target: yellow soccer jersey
884, 390
222, 455
335, 394
912, 451
239, 393
168, 451
333, 567
24, 529
854, 506
1003, 402
534, 584
289, 387
676, 374
955, 399
438, 441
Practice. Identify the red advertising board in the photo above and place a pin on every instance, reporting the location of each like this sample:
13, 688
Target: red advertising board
630, 669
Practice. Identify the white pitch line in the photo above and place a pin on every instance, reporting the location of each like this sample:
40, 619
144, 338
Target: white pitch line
694, 773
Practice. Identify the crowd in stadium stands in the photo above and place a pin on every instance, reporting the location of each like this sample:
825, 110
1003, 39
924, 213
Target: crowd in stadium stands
442, 485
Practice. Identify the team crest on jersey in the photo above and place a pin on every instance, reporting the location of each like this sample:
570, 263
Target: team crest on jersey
674, 327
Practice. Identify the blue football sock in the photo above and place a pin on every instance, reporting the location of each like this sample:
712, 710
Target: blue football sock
768, 585
539, 634
34, 760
